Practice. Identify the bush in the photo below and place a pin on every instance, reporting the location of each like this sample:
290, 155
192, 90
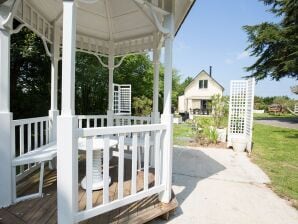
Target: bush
219, 105
205, 131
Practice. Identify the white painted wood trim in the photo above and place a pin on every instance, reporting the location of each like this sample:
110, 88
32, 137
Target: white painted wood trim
106, 171
83, 215
85, 132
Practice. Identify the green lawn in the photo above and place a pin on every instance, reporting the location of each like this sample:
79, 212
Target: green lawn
266, 115
276, 152
181, 133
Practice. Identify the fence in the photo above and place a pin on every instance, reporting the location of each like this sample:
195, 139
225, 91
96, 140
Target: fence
27, 135
151, 132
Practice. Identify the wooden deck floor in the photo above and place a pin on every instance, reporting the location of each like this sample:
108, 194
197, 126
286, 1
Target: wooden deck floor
44, 210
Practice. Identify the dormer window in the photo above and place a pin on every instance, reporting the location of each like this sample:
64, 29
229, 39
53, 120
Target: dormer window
203, 84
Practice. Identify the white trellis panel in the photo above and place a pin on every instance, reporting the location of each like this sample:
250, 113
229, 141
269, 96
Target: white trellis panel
241, 110
122, 99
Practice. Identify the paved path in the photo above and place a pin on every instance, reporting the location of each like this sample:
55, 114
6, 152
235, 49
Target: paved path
218, 186
280, 122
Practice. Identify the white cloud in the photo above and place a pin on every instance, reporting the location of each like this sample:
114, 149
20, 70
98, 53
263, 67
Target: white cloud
242, 55
229, 61
237, 57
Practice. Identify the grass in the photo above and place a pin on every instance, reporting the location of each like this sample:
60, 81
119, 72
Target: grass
267, 115
276, 152
181, 133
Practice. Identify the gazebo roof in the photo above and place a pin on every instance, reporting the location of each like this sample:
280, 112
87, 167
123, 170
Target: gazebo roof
129, 24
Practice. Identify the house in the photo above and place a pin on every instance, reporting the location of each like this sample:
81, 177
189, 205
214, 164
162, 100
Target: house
198, 94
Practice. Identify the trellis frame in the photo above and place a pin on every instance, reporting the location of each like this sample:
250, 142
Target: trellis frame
122, 99
241, 103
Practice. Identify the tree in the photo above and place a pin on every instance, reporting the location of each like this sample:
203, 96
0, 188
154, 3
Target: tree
275, 44
30, 72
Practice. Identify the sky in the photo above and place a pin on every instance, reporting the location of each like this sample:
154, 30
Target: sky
212, 35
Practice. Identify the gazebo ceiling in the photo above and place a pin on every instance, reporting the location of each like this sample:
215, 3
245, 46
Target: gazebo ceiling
129, 24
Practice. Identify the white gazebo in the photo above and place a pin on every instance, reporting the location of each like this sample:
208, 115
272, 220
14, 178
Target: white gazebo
103, 28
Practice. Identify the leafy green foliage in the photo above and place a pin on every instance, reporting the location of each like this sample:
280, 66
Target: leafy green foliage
142, 106
30, 76
205, 131
275, 45
219, 105
262, 103
31, 80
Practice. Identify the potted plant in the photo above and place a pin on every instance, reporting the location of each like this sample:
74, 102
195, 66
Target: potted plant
219, 111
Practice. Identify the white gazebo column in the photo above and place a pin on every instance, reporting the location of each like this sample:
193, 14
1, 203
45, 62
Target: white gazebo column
67, 155
111, 63
53, 112
167, 117
5, 120
155, 112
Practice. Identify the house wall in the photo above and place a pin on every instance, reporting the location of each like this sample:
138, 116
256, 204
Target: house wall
193, 89
185, 102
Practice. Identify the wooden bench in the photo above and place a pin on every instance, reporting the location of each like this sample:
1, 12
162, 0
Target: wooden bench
39, 155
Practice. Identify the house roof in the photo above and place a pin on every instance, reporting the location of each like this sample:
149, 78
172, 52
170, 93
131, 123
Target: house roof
201, 73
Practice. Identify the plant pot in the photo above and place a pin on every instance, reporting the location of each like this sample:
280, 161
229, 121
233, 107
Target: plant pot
177, 120
222, 134
239, 144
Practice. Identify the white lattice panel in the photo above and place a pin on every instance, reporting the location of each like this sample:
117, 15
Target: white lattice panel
122, 99
241, 110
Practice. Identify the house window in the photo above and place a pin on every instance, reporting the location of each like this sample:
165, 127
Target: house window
203, 84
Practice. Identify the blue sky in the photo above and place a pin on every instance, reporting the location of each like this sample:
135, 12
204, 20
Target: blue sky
212, 35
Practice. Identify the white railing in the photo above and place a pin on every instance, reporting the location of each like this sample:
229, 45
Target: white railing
131, 120
88, 121
150, 137
27, 135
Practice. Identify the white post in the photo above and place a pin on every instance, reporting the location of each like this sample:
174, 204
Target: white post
156, 54
5, 121
167, 117
110, 112
67, 155
53, 112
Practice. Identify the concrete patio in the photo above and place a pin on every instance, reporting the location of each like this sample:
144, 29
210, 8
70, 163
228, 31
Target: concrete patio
220, 186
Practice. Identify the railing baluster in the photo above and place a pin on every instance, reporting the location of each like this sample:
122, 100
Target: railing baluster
29, 145
146, 159
21, 144
157, 157
89, 162
134, 163
120, 166
41, 133
47, 131
106, 175
88, 122
35, 135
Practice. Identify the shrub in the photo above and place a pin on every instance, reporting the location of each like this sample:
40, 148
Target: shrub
219, 105
205, 131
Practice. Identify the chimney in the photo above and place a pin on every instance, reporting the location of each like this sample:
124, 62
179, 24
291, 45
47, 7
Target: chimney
210, 71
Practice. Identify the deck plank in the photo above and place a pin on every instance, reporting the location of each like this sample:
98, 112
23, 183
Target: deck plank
44, 210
